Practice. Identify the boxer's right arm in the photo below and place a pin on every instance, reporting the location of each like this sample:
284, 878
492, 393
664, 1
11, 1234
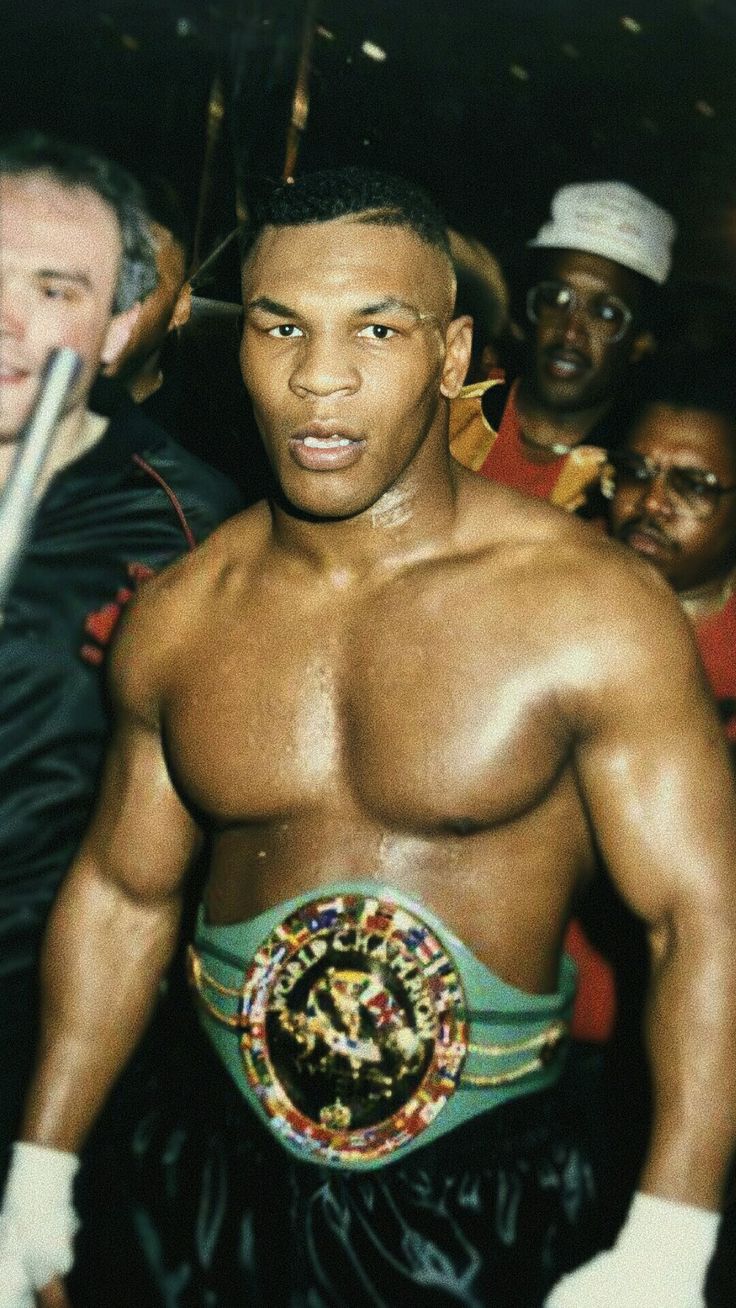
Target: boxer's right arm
110, 936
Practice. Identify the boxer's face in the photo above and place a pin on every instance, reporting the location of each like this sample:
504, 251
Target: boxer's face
60, 259
348, 348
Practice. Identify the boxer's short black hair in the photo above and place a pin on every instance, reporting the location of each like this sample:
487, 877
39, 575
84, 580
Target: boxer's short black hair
368, 195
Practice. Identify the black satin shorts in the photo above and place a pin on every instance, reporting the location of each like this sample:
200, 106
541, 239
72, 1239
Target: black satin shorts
188, 1202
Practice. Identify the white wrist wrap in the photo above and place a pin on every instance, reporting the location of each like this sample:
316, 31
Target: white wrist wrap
670, 1233
37, 1221
661, 1256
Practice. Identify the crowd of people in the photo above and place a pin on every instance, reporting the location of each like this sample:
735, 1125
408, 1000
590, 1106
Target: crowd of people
368, 851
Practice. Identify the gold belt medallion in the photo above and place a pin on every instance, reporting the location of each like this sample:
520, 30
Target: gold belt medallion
354, 1026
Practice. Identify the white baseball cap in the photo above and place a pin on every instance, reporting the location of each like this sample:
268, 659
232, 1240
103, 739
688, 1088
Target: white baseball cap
614, 220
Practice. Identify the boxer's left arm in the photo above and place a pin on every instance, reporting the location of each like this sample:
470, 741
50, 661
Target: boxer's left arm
656, 779
659, 786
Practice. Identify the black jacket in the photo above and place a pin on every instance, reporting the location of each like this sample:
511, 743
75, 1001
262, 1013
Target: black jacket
104, 522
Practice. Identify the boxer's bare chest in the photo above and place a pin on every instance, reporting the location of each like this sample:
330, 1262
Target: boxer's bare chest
405, 733
415, 704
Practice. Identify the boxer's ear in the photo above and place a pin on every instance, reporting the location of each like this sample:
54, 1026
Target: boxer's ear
458, 344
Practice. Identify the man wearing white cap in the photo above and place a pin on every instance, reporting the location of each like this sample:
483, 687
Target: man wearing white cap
606, 249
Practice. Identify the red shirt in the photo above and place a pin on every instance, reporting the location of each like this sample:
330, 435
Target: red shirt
716, 640
507, 462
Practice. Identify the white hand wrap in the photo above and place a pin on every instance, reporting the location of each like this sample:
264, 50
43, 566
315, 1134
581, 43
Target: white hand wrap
661, 1256
37, 1222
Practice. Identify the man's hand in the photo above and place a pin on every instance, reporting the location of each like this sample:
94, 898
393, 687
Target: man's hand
37, 1227
613, 1281
661, 1256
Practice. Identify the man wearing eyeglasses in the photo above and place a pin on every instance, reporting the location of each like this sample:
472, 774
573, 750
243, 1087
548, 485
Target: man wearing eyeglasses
672, 490
602, 255
599, 262
674, 502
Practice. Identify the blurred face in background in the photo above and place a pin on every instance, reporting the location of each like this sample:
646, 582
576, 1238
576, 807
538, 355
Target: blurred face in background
60, 258
679, 510
584, 312
166, 308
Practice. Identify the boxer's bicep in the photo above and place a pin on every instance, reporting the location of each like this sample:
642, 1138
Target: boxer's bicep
658, 783
657, 780
142, 838
115, 923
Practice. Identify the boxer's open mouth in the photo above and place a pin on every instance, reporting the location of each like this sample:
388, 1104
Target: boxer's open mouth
325, 447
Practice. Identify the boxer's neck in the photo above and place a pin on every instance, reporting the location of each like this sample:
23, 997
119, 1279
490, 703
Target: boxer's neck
408, 523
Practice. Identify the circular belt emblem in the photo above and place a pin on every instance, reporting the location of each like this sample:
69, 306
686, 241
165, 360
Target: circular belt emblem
356, 1028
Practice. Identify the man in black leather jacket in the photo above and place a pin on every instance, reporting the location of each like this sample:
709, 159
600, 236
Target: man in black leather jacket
116, 501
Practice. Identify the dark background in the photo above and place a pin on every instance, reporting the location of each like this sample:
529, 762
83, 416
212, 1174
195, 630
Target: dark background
491, 103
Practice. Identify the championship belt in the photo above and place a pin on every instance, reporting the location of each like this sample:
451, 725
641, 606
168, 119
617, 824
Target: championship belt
352, 1026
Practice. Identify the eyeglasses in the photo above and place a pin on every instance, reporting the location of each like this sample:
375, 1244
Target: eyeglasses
694, 492
606, 314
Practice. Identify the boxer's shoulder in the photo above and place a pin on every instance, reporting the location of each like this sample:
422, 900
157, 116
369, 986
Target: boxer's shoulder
562, 562
571, 596
178, 593
167, 617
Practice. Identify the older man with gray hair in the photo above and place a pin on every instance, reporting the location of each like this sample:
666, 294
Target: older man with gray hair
113, 502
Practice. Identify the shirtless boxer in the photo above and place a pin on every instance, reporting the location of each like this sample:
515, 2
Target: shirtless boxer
404, 707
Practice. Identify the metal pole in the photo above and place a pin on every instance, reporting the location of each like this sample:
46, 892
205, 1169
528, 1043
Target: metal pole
215, 113
300, 101
18, 503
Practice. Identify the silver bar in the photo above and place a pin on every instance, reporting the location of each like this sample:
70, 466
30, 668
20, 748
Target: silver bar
18, 502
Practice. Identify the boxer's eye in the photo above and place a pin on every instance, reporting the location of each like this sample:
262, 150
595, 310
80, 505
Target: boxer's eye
377, 331
285, 331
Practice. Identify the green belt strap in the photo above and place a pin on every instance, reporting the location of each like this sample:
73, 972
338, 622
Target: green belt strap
516, 1040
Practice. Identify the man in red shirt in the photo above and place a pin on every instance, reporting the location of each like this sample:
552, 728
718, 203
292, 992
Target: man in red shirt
604, 252
674, 502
